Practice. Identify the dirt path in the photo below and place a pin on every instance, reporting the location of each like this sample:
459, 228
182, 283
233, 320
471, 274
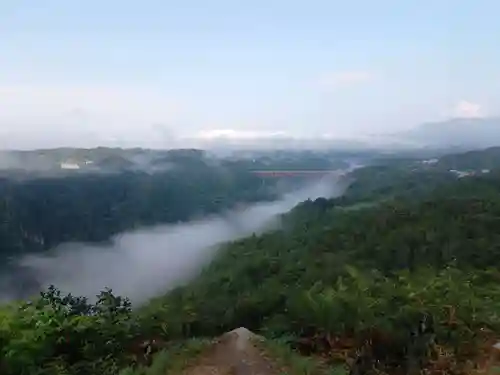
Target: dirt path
234, 354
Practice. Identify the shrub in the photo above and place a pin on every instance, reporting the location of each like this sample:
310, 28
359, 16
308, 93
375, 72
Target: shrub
58, 334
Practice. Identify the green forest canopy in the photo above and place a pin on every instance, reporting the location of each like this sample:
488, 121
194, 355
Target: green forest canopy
407, 282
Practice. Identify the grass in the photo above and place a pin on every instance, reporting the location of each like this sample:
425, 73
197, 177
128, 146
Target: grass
177, 357
172, 360
295, 364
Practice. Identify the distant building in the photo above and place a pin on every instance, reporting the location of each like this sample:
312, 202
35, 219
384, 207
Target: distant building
68, 165
430, 161
461, 174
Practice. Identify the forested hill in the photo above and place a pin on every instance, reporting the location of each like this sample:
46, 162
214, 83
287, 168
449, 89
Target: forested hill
38, 214
48, 197
64, 161
404, 284
41, 213
400, 276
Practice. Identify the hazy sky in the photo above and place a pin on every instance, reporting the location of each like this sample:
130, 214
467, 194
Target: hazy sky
142, 72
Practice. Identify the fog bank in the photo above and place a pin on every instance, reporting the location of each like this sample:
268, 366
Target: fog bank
142, 264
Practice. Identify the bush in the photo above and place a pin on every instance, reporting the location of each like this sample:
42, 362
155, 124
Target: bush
57, 334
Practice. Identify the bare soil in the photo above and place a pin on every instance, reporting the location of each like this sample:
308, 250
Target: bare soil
234, 354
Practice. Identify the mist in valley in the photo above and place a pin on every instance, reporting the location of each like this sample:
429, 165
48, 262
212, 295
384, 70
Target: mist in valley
144, 263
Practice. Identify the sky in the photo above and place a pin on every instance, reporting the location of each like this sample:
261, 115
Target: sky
150, 73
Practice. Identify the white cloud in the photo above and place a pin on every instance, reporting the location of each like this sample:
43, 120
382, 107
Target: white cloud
346, 78
467, 109
232, 134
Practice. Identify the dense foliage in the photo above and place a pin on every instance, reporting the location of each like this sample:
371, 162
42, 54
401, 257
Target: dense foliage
115, 190
400, 285
471, 160
66, 335
404, 282
37, 214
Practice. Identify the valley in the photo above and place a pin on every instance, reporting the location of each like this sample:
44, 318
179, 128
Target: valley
391, 268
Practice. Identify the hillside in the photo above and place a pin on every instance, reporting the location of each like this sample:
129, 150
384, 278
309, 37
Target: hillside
466, 133
64, 161
40, 213
42, 204
399, 276
94, 206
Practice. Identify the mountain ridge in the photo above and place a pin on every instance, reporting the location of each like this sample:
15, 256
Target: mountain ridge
461, 132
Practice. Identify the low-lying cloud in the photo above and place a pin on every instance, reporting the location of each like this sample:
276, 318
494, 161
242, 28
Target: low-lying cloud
144, 263
467, 109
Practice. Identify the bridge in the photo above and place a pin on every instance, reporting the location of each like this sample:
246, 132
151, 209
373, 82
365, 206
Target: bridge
295, 173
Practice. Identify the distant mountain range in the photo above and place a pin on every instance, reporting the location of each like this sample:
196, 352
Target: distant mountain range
456, 134
467, 133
